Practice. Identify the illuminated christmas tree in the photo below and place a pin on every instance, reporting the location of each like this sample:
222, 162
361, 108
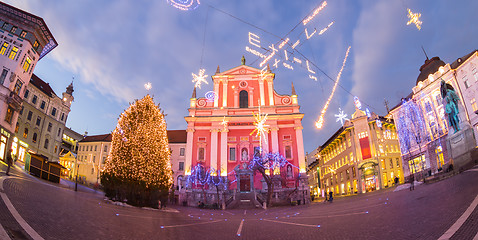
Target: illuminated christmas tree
138, 168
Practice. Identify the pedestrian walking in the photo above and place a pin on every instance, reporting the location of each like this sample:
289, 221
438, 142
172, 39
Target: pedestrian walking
331, 198
9, 163
412, 182
396, 180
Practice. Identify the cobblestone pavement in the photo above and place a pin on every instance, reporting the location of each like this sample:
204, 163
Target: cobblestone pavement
55, 212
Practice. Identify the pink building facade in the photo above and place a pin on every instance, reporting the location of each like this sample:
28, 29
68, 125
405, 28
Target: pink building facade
219, 128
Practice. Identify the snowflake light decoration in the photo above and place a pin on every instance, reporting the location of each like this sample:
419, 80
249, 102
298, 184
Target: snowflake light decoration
414, 18
224, 123
148, 86
261, 128
184, 5
341, 117
200, 78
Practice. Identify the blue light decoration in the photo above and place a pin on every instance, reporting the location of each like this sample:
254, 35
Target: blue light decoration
269, 161
379, 123
411, 126
201, 176
367, 111
184, 5
357, 103
210, 96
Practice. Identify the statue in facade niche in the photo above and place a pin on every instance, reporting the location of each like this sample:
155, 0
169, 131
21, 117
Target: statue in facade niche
450, 102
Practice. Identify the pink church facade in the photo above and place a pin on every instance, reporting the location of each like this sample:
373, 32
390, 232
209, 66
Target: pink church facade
219, 128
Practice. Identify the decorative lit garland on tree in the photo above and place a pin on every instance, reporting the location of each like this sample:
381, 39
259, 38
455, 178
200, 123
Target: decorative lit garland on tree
269, 161
202, 176
410, 125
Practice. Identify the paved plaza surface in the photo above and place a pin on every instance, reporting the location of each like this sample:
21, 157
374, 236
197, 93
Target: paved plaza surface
34, 209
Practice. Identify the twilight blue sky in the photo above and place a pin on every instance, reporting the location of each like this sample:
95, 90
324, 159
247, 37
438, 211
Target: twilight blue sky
113, 48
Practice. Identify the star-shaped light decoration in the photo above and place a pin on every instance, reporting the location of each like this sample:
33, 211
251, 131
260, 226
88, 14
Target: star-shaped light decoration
148, 86
261, 128
200, 78
224, 123
414, 18
341, 116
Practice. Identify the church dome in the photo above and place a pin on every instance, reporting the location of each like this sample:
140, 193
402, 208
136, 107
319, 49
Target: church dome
429, 67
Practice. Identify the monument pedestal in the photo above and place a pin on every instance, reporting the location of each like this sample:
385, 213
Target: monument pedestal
460, 145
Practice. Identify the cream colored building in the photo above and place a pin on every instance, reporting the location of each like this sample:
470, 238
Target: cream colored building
177, 144
92, 154
362, 156
42, 120
24, 40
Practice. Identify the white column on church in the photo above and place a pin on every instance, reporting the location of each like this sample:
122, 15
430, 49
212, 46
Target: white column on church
261, 91
271, 95
274, 139
300, 148
216, 91
265, 143
224, 94
224, 149
214, 149
189, 151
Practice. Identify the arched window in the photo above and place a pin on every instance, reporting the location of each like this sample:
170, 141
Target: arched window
243, 99
25, 133
46, 144
34, 139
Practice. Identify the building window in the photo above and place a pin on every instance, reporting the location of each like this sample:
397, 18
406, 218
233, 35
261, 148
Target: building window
473, 105
34, 139
38, 121
46, 144
3, 76
26, 64
3, 50
35, 44
9, 115
14, 29
257, 151
23, 34
353, 171
181, 166
62, 116
181, 152
13, 53
96, 147
398, 162
465, 81
382, 161
49, 127
42, 105
105, 149
27, 92
243, 99
56, 148
475, 73
201, 154
29, 117
391, 163
18, 87
232, 154
94, 159
53, 112
25, 133
34, 99
17, 127
288, 152
59, 132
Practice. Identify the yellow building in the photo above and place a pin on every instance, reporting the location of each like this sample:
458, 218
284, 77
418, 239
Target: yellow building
362, 156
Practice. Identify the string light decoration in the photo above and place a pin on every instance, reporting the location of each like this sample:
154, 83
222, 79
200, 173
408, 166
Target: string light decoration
261, 128
202, 176
320, 122
414, 18
341, 117
184, 5
210, 96
200, 78
144, 159
316, 11
411, 127
148, 86
224, 124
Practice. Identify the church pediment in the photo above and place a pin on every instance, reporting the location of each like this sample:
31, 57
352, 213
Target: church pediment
241, 70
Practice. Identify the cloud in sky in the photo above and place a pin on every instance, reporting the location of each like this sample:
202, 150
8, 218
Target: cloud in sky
114, 47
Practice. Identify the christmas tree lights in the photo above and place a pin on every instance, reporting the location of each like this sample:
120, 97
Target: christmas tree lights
140, 155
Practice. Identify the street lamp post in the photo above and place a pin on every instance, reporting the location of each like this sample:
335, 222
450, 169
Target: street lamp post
76, 178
